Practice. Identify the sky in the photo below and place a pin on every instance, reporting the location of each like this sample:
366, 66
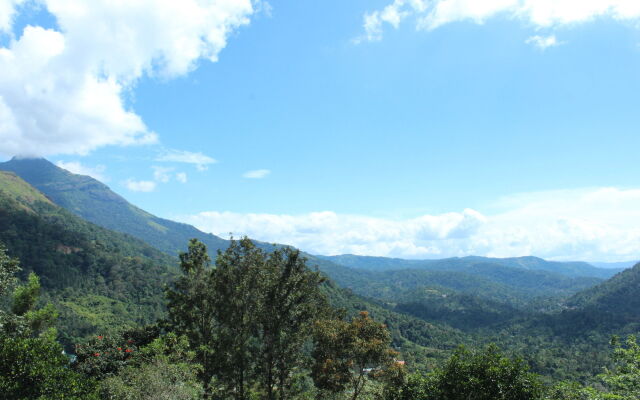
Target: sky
406, 128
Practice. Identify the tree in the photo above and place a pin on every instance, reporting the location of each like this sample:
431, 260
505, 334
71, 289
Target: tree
9, 267
623, 380
290, 302
32, 364
483, 375
235, 298
36, 368
190, 309
163, 369
347, 354
247, 318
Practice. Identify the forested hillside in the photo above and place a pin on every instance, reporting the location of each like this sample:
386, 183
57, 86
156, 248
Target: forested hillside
98, 279
96, 203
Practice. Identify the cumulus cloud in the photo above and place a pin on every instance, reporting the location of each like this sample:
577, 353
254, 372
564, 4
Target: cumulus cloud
200, 160
586, 224
256, 174
62, 91
181, 177
140, 186
543, 42
76, 167
538, 13
330, 233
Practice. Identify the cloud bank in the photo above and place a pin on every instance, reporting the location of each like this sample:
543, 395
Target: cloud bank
601, 224
76, 167
431, 14
63, 90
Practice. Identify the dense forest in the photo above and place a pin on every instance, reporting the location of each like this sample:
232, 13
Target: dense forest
247, 320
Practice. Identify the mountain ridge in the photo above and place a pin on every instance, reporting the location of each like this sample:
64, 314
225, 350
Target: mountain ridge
97, 203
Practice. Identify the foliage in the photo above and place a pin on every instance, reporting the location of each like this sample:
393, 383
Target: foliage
103, 356
82, 268
163, 369
623, 379
347, 354
248, 318
35, 368
32, 364
483, 375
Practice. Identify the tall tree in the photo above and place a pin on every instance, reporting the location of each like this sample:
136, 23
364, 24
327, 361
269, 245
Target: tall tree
347, 354
235, 293
190, 308
291, 302
248, 317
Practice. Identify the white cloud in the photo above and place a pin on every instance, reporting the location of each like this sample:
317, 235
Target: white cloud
256, 174
181, 177
162, 174
538, 13
140, 186
586, 224
61, 92
200, 160
76, 167
7, 13
543, 42
166, 174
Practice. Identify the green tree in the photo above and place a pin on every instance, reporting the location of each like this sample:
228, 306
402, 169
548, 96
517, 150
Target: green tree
483, 375
235, 297
248, 318
291, 301
348, 354
36, 368
32, 364
9, 267
190, 307
163, 369
623, 379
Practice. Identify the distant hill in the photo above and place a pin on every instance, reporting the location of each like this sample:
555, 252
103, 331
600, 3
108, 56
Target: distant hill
615, 265
572, 269
515, 286
95, 202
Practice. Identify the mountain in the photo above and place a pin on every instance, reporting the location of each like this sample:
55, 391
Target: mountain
572, 269
103, 281
98, 279
495, 282
96, 203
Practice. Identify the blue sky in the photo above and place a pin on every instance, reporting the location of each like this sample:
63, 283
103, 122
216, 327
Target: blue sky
444, 127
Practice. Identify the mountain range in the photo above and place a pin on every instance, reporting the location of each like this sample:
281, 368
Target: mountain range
104, 263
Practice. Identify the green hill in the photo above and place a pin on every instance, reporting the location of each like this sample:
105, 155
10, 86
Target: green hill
99, 279
515, 286
96, 203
